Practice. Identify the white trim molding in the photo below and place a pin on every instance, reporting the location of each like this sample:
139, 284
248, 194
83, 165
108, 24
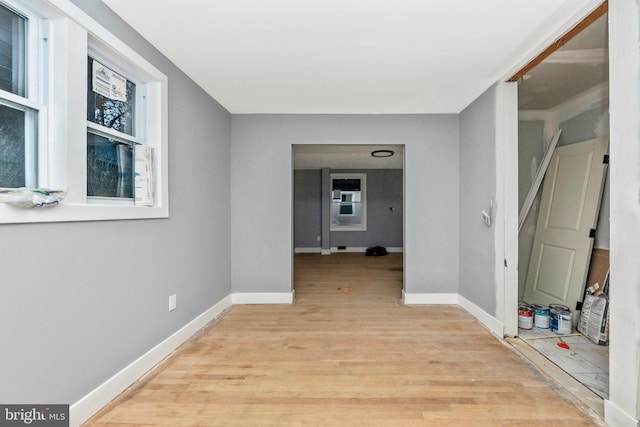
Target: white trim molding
263, 297
307, 250
335, 249
426, 299
90, 404
614, 416
494, 325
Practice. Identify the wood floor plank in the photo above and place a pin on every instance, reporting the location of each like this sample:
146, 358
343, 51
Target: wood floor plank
346, 353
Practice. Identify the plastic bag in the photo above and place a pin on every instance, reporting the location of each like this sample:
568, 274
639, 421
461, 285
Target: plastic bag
31, 197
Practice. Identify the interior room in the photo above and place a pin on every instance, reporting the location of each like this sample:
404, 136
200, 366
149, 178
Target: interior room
362, 184
150, 184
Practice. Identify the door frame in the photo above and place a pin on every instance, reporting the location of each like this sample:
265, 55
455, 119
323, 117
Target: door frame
506, 120
293, 200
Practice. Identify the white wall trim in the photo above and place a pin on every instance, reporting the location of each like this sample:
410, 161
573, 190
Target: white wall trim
436, 299
90, 404
395, 250
506, 221
494, 325
307, 250
335, 249
615, 416
263, 297
361, 249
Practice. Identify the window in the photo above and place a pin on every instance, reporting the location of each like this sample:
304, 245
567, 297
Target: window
80, 111
348, 202
19, 104
111, 111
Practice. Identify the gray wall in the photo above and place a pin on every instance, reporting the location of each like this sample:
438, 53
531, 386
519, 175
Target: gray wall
477, 186
384, 226
307, 208
77, 306
262, 234
531, 147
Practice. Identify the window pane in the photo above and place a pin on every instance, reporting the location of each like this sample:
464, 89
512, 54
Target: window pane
109, 167
348, 202
18, 137
109, 111
12, 52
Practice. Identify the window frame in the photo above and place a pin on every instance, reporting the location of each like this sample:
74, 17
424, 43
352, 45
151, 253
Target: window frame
137, 138
363, 200
34, 97
62, 165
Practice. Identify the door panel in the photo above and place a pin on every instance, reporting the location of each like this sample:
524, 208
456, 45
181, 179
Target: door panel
567, 196
568, 211
554, 271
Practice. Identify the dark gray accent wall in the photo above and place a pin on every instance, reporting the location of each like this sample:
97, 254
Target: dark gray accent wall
326, 210
477, 186
82, 300
384, 210
307, 208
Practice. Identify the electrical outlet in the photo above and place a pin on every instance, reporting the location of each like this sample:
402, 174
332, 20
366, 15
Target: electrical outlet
172, 302
319, 238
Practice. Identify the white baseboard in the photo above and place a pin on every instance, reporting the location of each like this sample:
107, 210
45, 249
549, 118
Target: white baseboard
490, 322
395, 250
90, 404
307, 250
335, 249
263, 297
615, 416
359, 249
437, 299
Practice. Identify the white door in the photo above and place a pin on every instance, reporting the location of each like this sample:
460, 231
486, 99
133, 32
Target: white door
568, 212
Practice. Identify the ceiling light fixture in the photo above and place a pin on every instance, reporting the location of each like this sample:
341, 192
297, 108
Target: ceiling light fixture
382, 153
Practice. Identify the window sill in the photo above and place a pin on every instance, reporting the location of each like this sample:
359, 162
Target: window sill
68, 212
348, 228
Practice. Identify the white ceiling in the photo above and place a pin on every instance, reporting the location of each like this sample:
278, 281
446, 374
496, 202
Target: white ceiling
353, 156
344, 56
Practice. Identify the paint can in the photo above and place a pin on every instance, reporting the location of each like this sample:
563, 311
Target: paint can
541, 316
560, 319
559, 306
525, 316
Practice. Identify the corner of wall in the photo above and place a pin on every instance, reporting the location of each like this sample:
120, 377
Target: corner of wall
90, 404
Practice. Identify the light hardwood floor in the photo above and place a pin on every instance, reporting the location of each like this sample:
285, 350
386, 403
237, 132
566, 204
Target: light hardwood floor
346, 353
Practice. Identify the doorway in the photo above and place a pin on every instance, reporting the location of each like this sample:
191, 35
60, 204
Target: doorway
563, 99
347, 198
